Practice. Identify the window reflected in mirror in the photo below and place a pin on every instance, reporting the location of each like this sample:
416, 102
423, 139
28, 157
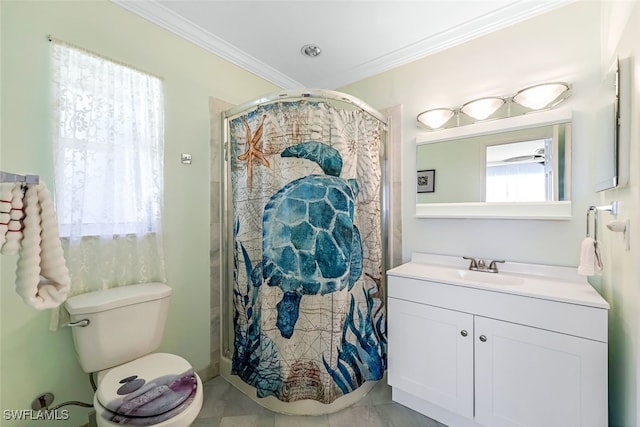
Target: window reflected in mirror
517, 172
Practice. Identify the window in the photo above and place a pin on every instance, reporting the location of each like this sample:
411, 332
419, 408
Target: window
518, 172
525, 182
108, 145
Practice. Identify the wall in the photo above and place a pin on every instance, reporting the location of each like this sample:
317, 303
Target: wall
575, 43
620, 35
34, 360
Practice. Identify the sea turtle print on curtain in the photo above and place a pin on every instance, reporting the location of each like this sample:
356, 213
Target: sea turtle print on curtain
309, 319
310, 245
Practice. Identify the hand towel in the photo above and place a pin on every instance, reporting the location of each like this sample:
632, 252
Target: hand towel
590, 259
41, 253
14, 228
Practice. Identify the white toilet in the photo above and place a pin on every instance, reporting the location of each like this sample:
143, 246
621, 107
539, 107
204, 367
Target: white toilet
135, 386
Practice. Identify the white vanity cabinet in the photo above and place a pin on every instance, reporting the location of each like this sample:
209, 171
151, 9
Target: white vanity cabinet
515, 350
431, 354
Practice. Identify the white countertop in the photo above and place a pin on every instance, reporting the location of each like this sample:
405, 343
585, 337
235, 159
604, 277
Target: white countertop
554, 283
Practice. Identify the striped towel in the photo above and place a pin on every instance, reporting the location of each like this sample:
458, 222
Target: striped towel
42, 277
13, 230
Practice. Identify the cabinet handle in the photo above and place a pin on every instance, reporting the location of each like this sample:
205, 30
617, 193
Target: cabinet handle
464, 333
483, 338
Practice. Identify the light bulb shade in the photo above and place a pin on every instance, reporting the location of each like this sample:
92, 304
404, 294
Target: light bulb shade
436, 118
542, 96
483, 108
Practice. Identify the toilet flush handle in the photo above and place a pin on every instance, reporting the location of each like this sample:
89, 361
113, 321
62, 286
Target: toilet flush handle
82, 323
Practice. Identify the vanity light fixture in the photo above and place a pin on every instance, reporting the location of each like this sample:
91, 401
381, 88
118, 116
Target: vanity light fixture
483, 108
436, 118
541, 96
538, 97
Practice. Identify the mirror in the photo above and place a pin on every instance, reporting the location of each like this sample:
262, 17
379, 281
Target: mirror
520, 169
612, 124
528, 165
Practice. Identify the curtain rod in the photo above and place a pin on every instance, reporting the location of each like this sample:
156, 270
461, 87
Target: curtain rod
52, 39
310, 94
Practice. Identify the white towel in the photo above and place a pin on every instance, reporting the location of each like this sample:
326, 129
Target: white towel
41, 253
590, 259
14, 229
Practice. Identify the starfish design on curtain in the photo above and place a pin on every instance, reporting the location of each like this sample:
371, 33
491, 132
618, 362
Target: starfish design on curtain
253, 151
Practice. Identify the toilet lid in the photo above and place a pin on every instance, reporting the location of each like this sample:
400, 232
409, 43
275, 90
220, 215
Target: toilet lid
148, 387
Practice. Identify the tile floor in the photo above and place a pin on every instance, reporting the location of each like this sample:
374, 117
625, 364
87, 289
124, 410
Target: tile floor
226, 406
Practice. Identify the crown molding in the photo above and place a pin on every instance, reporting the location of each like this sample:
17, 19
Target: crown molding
160, 15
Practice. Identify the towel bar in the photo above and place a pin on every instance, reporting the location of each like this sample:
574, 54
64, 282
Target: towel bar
12, 177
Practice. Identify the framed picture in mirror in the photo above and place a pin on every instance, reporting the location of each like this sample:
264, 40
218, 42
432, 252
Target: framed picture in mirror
427, 181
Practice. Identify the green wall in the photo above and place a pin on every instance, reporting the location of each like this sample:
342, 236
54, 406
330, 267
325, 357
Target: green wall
34, 360
621, 32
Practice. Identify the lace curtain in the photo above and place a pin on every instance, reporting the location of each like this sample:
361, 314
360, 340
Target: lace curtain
520, 182
108, 159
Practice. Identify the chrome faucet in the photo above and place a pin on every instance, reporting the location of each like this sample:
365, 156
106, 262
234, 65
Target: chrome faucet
480, 265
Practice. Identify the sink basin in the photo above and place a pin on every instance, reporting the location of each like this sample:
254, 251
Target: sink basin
453, 274
488, 278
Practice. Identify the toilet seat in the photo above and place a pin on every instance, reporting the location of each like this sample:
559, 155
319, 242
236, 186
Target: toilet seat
158, 389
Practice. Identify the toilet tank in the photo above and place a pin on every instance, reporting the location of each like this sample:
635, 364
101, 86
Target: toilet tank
124, 323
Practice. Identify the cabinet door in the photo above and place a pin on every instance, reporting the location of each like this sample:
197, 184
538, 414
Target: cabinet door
529, 377
431, 354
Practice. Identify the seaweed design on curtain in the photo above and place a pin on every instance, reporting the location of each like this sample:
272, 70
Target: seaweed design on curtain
307, 225
255, 358
367, 358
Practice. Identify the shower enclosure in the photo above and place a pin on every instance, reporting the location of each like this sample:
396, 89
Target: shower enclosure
303, 253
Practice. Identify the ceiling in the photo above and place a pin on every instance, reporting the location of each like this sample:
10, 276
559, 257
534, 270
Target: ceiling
358, 38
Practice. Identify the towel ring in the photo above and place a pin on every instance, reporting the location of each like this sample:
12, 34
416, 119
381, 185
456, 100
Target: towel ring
595, 222
612, 209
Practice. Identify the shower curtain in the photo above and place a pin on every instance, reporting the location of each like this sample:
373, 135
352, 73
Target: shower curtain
305, 188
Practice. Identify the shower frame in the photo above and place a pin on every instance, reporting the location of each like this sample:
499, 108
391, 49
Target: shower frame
226, 214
